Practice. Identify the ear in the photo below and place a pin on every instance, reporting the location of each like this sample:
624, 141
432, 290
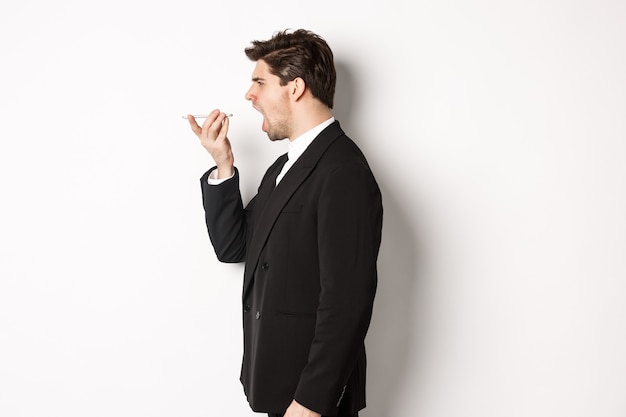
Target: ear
297, 88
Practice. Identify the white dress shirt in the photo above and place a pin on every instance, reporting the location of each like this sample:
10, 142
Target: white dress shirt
296, 149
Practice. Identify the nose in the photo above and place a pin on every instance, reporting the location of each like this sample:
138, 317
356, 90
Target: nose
250, 95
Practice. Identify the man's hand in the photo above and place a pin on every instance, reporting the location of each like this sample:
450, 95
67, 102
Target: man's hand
212, 136
297, 410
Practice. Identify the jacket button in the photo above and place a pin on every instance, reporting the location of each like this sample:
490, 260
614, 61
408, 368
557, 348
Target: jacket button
258, 315
246, 308
265, 266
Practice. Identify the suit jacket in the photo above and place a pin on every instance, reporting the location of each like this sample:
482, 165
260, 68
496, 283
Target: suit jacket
310, 247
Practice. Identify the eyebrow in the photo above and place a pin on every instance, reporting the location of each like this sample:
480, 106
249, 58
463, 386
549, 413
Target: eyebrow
258, 79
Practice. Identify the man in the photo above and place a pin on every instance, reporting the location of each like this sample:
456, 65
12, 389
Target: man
309, 238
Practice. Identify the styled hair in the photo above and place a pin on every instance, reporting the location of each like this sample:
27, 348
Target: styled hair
302, 54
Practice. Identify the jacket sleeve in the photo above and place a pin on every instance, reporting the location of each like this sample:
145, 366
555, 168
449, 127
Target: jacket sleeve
349, 234
225, 218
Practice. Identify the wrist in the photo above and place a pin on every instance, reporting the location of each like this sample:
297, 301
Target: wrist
225, 171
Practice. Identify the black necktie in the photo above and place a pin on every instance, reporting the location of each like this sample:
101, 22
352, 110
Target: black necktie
279, 167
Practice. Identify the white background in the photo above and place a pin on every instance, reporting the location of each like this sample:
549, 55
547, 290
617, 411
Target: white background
496, 130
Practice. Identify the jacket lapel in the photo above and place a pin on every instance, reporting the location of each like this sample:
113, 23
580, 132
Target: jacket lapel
277, 198
268, 183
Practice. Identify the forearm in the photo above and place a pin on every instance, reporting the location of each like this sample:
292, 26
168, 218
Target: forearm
225, 218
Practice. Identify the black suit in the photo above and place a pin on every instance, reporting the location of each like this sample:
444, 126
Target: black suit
310, 247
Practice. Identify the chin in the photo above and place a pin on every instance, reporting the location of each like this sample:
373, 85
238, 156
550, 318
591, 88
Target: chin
275, 138
276, 135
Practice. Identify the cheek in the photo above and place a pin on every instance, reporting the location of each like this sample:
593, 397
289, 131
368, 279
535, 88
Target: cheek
274, 103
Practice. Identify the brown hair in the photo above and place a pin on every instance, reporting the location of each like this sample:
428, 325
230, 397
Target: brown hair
302, 54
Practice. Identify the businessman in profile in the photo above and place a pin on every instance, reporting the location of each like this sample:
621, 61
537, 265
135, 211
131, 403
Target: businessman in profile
309, 238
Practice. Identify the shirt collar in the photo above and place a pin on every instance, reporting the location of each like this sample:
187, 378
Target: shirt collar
299, 144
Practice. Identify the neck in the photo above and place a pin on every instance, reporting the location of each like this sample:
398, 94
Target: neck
307, 119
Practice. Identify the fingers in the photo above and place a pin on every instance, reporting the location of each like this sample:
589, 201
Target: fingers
225, 124
215, 127
210, 119
194, 125
212, 135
